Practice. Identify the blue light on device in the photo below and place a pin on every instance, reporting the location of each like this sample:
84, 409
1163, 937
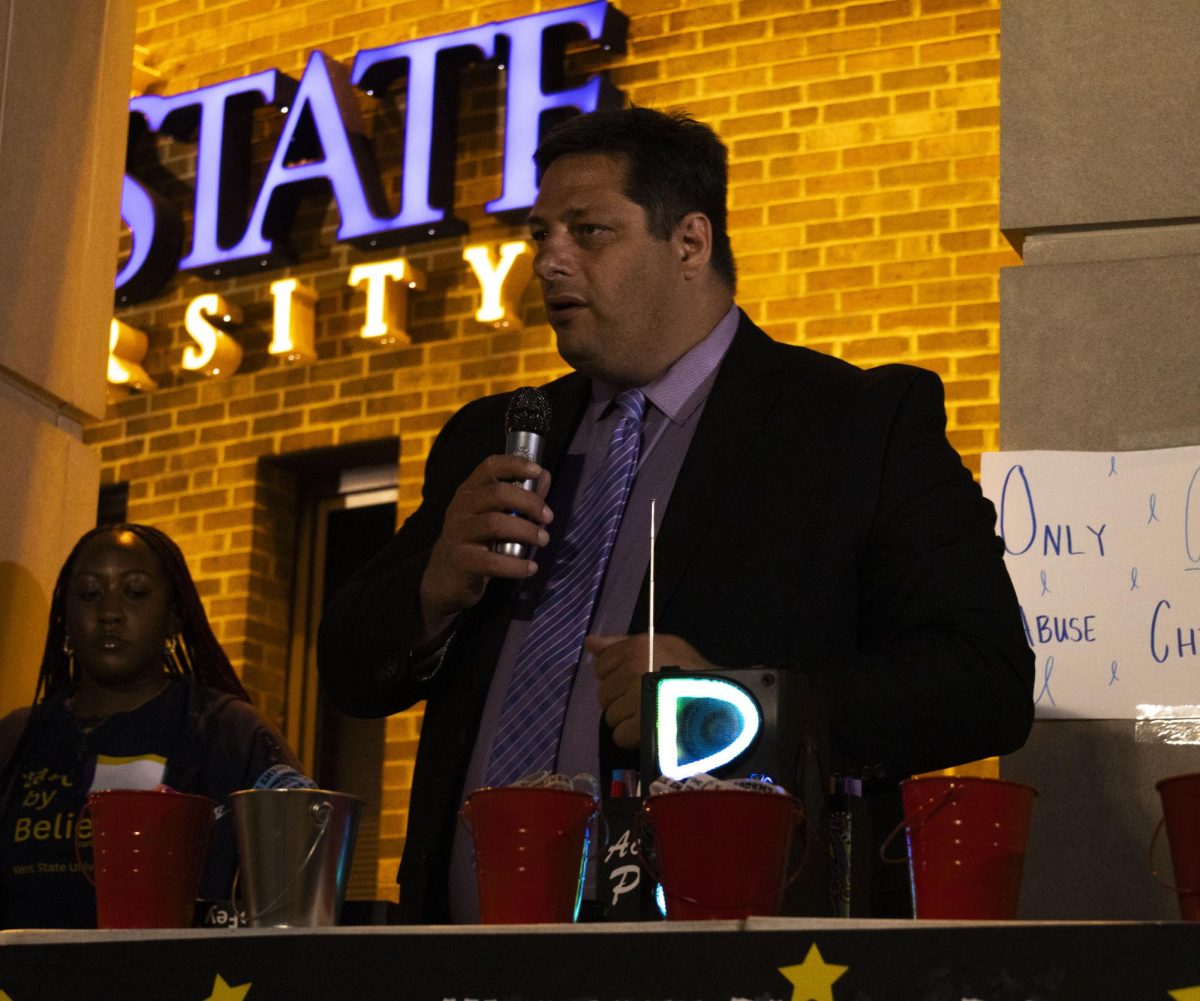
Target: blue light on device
702, 724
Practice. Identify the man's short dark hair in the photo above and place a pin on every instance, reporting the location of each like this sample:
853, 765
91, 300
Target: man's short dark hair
676, 165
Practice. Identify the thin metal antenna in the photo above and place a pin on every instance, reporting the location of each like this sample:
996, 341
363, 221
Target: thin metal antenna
650, 631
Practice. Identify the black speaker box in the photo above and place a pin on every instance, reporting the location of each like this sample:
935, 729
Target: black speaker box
686, 726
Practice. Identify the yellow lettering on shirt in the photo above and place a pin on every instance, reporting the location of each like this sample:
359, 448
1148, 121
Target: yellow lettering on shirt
61, 828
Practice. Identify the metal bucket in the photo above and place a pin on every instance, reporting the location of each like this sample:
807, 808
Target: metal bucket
294, 852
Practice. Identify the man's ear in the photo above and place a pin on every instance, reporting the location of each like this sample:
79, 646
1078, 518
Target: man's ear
693, 237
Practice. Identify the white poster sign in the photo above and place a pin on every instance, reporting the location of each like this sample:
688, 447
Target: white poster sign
1104, 551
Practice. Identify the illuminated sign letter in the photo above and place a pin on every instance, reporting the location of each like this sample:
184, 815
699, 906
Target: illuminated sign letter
387, 302
218, 354
126, 348
534, 44
535, 62
502, 283
323, 143
323, 140
703, 724
156, 237
295, 316
427, 176
220, 117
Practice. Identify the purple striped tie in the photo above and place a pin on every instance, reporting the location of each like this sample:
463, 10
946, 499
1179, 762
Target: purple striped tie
535, 704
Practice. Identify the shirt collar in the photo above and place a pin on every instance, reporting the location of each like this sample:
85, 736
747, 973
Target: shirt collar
676, 392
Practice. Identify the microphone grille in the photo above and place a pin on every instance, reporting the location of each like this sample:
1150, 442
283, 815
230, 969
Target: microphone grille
529, 411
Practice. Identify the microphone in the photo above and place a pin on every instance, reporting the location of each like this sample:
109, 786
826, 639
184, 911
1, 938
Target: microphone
525, 425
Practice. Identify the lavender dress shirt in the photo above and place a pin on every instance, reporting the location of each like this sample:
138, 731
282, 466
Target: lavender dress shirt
676, 400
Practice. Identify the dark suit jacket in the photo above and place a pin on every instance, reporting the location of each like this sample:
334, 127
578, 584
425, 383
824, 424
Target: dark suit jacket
821, 521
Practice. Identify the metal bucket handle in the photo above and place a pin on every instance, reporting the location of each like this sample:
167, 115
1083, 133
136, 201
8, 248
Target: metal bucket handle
922, 818
321, 813
1154, 869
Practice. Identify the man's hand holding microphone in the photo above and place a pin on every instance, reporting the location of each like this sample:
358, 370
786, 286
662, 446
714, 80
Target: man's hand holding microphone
481, 538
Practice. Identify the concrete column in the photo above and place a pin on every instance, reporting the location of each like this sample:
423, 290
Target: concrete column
64, 87
1100, 350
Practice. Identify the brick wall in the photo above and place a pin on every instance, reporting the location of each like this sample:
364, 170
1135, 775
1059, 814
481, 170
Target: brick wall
864, 145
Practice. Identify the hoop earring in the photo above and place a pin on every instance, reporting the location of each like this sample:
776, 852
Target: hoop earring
70, 655
187, 666
171, 649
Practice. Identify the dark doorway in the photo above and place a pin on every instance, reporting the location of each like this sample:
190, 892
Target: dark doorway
346, 513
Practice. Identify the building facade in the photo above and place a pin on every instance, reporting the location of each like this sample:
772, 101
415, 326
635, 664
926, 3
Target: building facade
864, 170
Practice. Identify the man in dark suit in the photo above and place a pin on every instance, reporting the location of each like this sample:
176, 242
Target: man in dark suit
812, 515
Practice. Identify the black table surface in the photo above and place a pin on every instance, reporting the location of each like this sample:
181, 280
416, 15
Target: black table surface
760, 959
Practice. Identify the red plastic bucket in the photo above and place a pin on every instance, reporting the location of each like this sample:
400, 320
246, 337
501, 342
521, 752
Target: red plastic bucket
721, 853
966, 840
530, 852
1180, 796
148, 849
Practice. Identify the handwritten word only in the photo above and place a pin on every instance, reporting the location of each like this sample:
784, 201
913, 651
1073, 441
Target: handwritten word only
1019, 524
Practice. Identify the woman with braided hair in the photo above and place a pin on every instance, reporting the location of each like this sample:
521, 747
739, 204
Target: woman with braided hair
134, 691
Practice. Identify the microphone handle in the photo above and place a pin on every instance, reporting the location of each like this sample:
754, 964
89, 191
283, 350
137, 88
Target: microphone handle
529, 446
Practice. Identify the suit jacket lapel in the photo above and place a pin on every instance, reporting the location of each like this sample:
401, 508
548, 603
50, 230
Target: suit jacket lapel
568, 398
741, 397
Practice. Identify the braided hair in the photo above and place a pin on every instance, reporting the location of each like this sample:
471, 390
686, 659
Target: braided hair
195, 652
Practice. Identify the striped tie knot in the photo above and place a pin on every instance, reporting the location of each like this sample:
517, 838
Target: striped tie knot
632, 403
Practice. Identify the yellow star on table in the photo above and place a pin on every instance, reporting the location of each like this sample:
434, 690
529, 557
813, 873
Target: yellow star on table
1186, 994
813, 979
223, 992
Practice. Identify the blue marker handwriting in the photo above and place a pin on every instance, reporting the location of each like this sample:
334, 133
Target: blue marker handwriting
1045, 629
1020, 530
1064, 628
1165, 642
1060, 540
1046, 672
1192, 546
